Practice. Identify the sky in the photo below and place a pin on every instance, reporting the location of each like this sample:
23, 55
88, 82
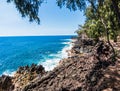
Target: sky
53, 21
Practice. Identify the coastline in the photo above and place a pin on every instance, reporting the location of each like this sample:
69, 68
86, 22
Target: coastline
48, 62
83, 70
26, 70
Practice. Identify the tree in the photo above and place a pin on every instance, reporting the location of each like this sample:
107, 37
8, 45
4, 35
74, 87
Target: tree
103, 16
101, 20
28, 8
72, 4
116, 4
83, 4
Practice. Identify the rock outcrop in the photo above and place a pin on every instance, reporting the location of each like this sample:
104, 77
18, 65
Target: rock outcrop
89, 68
22, 77
6, 83
26, 74
84, 71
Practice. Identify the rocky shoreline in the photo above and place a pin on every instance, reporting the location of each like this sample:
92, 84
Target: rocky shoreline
88, 68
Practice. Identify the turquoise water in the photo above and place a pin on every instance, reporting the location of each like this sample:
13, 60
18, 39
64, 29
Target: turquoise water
21, 51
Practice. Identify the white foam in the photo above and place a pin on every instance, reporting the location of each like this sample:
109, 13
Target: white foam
65, 42
67, 39
50, 64
65, 50
9, 73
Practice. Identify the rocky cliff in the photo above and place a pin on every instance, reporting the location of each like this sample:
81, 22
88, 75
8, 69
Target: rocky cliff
88, 68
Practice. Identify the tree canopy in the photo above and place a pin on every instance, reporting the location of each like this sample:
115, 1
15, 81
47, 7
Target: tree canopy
102, 20
28, 8
102, 16
72, 4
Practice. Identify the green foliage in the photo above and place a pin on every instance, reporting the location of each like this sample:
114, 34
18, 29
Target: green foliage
72, 4
100, 18
94, 9
28, 8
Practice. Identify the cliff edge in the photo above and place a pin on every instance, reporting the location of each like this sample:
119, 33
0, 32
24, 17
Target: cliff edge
89, 67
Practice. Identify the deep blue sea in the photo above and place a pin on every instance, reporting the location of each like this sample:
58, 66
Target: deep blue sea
21, 51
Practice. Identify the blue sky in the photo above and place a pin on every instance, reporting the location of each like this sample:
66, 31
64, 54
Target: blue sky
54, 21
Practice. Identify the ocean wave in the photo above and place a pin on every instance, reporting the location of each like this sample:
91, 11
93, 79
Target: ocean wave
66, 39
28, 50
51, 61
8, 73
65, 43
50, 64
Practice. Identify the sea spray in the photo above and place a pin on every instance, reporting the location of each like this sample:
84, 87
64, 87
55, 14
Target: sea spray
9, 73
22, 51
50, 64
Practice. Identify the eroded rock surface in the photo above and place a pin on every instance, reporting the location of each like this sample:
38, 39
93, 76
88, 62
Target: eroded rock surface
81, 72
88, 68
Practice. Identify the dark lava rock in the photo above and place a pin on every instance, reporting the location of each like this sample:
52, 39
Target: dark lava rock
6, 83
33, 68
87, 71
40, 69
76, 73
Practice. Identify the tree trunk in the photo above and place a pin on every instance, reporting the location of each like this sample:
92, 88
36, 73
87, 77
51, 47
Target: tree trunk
108, 40
105, 26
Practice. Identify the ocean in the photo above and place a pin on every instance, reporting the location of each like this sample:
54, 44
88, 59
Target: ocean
25, 50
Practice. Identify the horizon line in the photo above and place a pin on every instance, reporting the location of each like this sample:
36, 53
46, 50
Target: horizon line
36, 35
